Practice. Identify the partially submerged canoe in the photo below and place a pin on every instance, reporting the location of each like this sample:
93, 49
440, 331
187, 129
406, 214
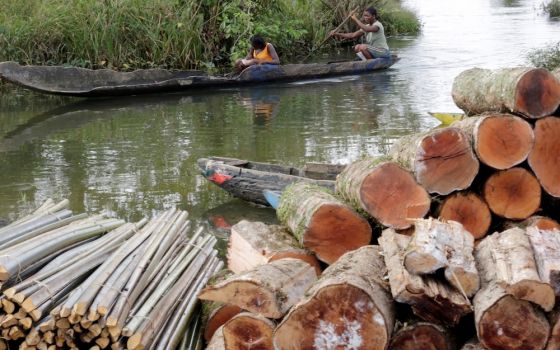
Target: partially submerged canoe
75, 81
247, 180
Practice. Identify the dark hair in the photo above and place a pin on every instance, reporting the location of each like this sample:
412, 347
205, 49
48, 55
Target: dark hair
372, 11
258, 42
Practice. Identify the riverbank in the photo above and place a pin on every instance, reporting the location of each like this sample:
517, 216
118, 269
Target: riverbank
190, 34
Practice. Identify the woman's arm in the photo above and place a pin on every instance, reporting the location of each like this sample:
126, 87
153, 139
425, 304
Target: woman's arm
273, 54
363, 26
354, 35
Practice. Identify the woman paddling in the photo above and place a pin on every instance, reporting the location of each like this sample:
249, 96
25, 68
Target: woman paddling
375, 45
261, 52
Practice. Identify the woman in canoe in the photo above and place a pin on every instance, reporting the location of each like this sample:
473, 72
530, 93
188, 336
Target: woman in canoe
375, 43
261, 52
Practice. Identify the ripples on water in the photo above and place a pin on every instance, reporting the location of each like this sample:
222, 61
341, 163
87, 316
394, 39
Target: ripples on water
137, 155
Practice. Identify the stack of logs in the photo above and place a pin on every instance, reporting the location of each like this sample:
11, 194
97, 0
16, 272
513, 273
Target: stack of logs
79, 282
482, 272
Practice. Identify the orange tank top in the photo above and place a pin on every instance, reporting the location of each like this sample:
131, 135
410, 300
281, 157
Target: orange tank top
263, 55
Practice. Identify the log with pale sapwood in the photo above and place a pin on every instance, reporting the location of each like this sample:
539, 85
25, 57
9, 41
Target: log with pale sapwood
469, 209
443, 245
441, 160
217, 342
350, 305
431, 299
421, 335
538, 221
531, 92
500, 141
543, 159
321, 222
255, 243
248, 331
507, 260
384, 190
546, 249
215, 314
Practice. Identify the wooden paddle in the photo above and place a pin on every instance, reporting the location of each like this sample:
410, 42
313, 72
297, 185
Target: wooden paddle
333, 31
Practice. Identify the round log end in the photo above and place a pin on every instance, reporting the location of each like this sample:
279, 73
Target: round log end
538, 293
248, 331
513, 324
514, 193
468, 209
420, 336
335, 230
337, 316
503, 141
445, 161
217, 319
299, 254
392, 196
537, 94
543, 223
544, 159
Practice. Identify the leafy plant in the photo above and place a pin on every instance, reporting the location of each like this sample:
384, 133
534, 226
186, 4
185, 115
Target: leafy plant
548, 57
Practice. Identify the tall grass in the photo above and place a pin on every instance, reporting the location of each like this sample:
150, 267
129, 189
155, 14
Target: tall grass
548, 57
552, 8
181, 34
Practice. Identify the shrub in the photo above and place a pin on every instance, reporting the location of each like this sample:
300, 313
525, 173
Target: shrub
548, 57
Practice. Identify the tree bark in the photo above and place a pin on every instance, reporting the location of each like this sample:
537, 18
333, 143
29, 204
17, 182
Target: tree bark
349, 307
531, 92
546, 248
554, 319
255, 243
216, 315
507, 259
500, 141
321, 222
441, 160
543, 159
269, 290
384, 190
505, 322
513, 194
469, 209
217, 342
248, 331
421, 335
431, 299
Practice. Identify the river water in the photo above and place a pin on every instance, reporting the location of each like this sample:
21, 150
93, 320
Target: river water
135, 156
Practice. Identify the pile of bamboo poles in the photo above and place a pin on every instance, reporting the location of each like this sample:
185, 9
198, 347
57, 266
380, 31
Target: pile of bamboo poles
76, 282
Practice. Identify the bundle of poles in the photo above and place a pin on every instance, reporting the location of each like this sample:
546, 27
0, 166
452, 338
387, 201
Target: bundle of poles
449, 241
93, 282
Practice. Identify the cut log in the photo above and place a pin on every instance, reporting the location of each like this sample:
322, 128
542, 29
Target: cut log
349, 307
531, 92
216, 343
500, 141
321, 222
436, 245
513, 194
540, 222
441, 160
255, 243
269, 290
546, 248
554, 320
421, 335
473, 344
431, 300
543, 159
506, 259
468, 209
248, 331
385, 191
505, 322
216, 315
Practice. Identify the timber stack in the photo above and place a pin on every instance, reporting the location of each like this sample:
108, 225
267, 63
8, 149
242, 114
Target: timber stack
94, 282
449, 241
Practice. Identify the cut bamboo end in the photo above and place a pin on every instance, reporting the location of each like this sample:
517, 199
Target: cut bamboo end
468, 209
36, 315
135, 342
8, 306
102, 310
9, 293
18, 298
4, 274
28, 305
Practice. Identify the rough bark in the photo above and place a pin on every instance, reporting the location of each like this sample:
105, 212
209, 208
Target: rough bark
349, 307
217, 342
321, 222
531, 92
431, 299
385, 191
505, 322
507, 260
469, 209
248, 331
546, 248
554, 320
269, 290
513, 194
255, 243
441, 160
500, 141
543, 159
421, 335
443, 245
215, 315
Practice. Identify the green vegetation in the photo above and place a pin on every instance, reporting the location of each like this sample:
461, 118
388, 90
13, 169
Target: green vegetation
180, 34
552, 8
548, 57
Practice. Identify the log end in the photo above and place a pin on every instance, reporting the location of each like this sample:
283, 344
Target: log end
469, 210
537, 94
543, 159
419, 263
299, 254
218, 318
247, 331
420, 336
538, 293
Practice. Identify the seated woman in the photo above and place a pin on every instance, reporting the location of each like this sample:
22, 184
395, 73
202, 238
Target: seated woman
261, 52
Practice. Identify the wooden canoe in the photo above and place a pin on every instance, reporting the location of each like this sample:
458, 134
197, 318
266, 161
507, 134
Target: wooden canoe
247, 180
75, 81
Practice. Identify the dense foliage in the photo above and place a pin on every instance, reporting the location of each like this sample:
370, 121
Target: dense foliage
548, 57
182, 34
552, 8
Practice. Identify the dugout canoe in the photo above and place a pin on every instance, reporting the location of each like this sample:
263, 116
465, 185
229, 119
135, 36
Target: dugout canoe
247, 180
73, 81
